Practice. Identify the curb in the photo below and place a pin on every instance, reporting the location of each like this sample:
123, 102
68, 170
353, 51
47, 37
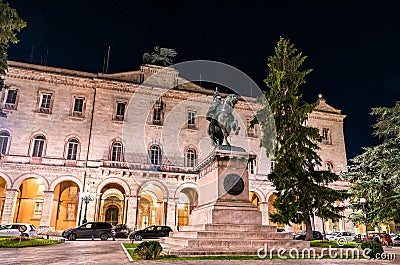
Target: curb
126, 253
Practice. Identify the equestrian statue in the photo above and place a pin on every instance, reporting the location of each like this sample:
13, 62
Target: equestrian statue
221, 119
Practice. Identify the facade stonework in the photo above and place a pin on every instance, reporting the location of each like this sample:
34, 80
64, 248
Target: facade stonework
126, 141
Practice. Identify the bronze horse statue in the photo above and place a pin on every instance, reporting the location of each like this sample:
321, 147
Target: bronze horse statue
221, 119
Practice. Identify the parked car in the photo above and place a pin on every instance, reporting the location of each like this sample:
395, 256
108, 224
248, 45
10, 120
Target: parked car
385, 238
302, 235
12, 230
349, 236
281, 230
153, 231
396, 240
96, 229
121, 231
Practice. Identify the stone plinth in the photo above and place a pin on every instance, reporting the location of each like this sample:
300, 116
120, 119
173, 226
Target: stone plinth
225, 221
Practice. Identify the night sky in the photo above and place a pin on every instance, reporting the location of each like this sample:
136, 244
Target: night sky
354, 48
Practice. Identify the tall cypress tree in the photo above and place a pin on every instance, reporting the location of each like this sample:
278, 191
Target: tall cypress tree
302, 190
375, 173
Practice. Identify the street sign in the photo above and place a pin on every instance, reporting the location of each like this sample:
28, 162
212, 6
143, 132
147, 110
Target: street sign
22, 228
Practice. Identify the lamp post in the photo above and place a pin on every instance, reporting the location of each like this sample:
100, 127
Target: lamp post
86, 198
363, 201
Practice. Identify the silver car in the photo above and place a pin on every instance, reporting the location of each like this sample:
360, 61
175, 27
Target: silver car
349, 236
12, 230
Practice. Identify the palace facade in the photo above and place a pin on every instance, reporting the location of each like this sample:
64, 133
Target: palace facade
115, 148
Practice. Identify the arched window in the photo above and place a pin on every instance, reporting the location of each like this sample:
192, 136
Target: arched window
72, 149
4, 135
329, 166
116, 152
155, 156
38, 146
190, 158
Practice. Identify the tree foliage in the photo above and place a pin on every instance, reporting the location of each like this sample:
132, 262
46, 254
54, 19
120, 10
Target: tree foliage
10, 24
302, 190
375, 174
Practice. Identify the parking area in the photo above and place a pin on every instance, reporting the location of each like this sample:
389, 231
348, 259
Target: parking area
111, 252
70, 252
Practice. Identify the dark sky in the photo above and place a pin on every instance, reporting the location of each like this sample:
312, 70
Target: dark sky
354, 48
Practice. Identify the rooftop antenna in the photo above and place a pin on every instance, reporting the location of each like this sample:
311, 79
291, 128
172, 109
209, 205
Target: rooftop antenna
106, 60
31, 57
45, 59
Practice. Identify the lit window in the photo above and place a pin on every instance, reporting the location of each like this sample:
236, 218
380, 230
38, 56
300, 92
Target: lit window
45, 103
190, 158
72, 149
78, 106
155, 156
326, 136
120, 112
70, 211
37, 212
4, 136
251, 166
251, 131
116, 152
38, 146
158, 112
191, 119
73, 192
11, 99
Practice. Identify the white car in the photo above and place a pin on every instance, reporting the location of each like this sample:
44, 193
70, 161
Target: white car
12, 230
349, 236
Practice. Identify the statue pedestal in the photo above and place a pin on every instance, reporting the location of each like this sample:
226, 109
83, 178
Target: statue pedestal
225, 221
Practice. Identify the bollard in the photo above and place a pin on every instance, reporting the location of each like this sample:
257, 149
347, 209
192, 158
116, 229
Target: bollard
92, 237
47, 237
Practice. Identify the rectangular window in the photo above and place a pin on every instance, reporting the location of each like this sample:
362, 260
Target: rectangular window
251, 166
45, 103
326, 139
251, 131
272, 165
70, 211
157, 112
120, 112
78, 106
73, 192
11, 99
191, 119
37, 212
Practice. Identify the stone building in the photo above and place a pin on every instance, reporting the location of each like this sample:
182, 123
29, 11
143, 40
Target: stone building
128, 142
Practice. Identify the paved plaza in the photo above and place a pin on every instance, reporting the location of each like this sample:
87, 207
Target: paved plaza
111, 252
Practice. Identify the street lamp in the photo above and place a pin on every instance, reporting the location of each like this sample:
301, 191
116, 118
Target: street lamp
86, 198
363, 201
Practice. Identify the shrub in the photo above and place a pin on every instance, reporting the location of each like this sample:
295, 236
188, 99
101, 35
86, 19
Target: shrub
374, 248
149, 250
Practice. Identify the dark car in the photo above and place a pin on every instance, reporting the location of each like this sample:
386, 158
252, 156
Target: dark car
302, 236
153, 231
92, 229
121, 231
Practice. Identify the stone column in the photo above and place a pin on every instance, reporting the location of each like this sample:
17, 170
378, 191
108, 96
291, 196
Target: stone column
171, 213
264, 212
131, 211
46, 212
9, 206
